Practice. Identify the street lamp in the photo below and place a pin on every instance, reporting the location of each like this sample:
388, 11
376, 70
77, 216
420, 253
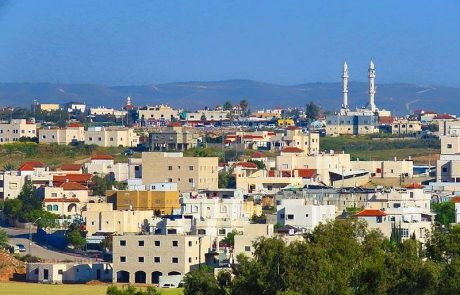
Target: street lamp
30, 234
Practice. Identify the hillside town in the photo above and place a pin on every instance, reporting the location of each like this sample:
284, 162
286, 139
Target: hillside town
159, 192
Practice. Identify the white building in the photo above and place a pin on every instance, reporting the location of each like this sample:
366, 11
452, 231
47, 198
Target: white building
13, 130
112, 136
295, 212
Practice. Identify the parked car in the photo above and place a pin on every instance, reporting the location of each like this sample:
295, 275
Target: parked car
21, 247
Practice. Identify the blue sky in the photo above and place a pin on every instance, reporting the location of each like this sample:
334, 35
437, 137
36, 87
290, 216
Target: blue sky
287, 42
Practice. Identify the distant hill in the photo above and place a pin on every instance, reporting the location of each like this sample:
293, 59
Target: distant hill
399, 98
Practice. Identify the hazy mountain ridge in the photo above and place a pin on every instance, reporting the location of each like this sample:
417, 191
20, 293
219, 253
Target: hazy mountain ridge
399, 97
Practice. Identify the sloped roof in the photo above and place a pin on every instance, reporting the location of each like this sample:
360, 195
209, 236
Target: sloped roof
443, 117
80, 178
33, 164
306, 173
386, 120
247, 165
75, 125
414, 185
26, 167
371, 212
292, 150
73, 186
455, 199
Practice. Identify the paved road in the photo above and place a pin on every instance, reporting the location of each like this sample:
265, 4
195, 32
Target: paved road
21, 236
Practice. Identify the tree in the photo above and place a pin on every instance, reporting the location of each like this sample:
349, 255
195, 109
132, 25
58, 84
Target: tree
75, 237
226, 179
3, 238
227, 106
101, 184
312, 111
230, 238
445, 212
244, 105
260, 164
201, 282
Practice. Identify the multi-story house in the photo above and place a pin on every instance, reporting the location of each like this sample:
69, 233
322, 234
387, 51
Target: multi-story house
143, 259
73, 133
173, 138
159, 112
14, 129
111, 136
190, 173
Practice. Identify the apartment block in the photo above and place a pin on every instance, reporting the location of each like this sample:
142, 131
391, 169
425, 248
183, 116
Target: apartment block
159, 112
190, 173
175, 138
14, 129
111, 136
163, 202
143, 259
74, 133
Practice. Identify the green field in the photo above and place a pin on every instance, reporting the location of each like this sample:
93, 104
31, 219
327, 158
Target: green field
13, 288
14, 154
372, 148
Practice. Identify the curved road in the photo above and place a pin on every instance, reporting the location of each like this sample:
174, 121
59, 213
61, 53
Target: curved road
21, 236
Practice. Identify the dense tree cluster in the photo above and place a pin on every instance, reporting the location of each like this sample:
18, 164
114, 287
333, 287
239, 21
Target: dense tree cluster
28, 208
341, 257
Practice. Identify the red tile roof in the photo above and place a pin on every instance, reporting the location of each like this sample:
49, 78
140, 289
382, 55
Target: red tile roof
70, 167
306, 173
75, 125
455, 199
386, 120
292, 150
443, 117
26, 167
80, 178
102, 157
371, 212
248, 165
73, 186
61, 200
34, 164
414, 185
257, 155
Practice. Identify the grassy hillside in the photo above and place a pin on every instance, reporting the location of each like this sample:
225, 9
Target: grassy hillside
13, 154
372, 148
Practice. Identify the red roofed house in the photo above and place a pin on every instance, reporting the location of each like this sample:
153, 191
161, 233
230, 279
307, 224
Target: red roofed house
66, 199
82, 178
244, 169
295, 137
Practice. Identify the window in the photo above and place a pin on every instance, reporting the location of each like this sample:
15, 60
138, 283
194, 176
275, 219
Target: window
156, 259
190, 243
306, 215
157, 243
247, 248
190, 260
404, 233
202, 232
170, 168
175, 243
175, 260
190, 180
290, 216
169, 179
190, 168
99, 138
60, 272
140, 243
172, 231
140, 259
396, 205
122, 242
444, 169
122, 258
222, 231
111, 138
449, 146
281, 216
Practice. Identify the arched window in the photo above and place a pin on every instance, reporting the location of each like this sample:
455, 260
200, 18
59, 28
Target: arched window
55, 207
49, 208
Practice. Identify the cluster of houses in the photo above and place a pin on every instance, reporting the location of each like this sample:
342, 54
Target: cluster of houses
172, 216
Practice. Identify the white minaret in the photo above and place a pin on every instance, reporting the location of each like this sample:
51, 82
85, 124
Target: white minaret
345, 86
372, 86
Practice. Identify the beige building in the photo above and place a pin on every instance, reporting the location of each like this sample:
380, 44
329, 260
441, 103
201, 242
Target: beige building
244, 242
16, 128
173, 138
323, 163
210, 115
405, 126
143, 259
384, 169
159, 112
11, 183
163, 202
67, 199
262, 182
58, 273
102, 218
101, 111
49, 107
72, 134
448, 165
111, 136
295, 137
190, 173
